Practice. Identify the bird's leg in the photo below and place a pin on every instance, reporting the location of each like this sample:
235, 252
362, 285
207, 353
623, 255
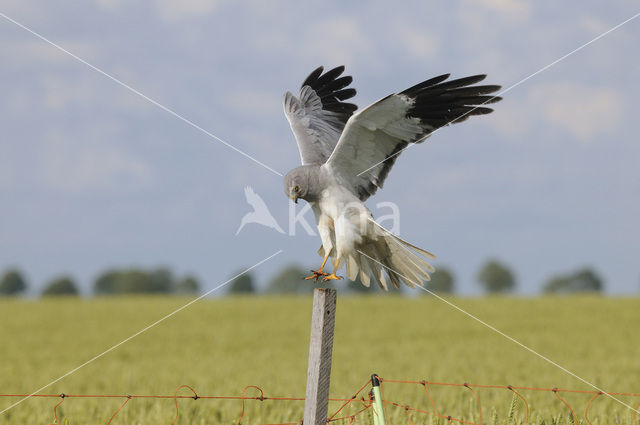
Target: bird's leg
317, 273
333, 276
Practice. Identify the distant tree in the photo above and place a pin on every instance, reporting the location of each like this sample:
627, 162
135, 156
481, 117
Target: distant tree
105, 284
584, 280
587, 280
12, 283
442, 281
161, 280
134, 281
188, 285
556, 284
496, 277
63, 285
358, 287
291, 281
242, 284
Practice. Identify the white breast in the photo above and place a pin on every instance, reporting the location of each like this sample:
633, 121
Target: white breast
344, 216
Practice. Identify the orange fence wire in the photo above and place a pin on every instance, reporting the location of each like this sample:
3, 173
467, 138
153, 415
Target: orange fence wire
515, 389
364, 403
354, 406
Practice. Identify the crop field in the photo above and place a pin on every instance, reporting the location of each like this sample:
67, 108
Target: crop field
220, 346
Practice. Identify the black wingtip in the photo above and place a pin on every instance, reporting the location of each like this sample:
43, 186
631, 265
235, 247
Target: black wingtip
334, 73
427, 83
313, 76
438, 103
332, 89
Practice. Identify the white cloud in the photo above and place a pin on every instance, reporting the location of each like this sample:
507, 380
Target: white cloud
488, 32
593, 25
419, 43
91, 165
18, 101
584, 111
516, 11
29, 51
272, 40
511, 118
176, 10
252, 102
60, 94
85, 89
110, 4
22, 9
337, 40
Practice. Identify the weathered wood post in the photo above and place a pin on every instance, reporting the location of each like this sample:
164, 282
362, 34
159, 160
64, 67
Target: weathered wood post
320, 350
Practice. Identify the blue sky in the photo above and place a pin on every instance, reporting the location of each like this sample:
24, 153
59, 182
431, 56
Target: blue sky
93, 176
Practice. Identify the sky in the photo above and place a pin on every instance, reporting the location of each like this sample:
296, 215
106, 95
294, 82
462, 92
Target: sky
93, 175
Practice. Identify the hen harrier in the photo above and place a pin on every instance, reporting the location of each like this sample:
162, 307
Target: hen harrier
346, 157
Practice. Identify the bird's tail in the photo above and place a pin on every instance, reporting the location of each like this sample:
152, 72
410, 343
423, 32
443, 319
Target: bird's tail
389, 258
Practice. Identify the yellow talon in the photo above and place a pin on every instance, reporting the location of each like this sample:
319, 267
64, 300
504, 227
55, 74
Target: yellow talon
331, 276
316, 275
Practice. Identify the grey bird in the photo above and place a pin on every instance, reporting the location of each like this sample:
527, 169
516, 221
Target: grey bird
346, 157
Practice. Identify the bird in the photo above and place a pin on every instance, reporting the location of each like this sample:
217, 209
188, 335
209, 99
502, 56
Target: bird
347, 154
260, 213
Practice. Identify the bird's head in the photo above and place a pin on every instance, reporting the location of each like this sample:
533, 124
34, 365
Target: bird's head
296, 184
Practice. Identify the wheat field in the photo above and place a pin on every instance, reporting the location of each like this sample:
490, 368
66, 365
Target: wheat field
219, 346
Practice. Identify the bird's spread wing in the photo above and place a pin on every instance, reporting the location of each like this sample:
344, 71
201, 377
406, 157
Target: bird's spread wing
373, 138
318, 117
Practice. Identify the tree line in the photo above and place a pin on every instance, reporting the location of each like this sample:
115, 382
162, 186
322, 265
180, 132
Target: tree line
493, 277
111, 282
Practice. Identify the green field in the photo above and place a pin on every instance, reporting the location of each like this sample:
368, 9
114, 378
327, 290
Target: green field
220, 346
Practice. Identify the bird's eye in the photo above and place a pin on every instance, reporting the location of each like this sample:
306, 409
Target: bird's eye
296, 189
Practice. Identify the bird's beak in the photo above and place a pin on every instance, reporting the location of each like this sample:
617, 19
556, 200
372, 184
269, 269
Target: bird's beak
293, 197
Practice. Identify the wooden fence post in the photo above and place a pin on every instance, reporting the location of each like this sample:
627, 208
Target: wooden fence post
320, 350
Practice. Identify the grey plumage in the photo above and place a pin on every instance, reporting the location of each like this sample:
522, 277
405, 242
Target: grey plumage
347, 156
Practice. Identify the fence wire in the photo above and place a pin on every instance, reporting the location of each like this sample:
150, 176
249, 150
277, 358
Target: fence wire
353, 408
